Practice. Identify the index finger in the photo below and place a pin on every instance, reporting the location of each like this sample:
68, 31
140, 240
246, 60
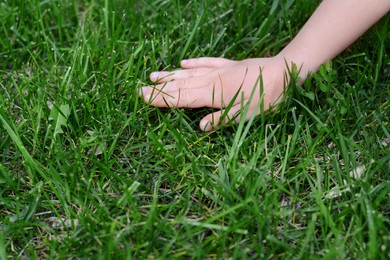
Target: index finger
205, 62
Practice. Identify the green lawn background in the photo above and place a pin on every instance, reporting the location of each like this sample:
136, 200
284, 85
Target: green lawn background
87, 170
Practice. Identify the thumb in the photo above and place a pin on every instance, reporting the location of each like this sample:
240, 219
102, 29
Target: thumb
221, 117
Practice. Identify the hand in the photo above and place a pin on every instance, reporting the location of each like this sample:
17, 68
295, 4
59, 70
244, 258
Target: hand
215, 82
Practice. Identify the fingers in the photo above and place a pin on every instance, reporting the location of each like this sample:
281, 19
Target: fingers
205, 62
222, 117
191, 68
168, 86
170, 95
233, 115
165, 76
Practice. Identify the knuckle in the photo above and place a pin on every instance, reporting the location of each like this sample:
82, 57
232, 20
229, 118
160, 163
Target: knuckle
203, 61
182, 99
192, 73
180, 84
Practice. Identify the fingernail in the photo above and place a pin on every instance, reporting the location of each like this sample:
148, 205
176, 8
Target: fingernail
142, 91
205, 125
154, 76
184, 62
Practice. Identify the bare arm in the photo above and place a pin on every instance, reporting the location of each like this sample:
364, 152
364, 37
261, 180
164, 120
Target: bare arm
333, 27
213, 82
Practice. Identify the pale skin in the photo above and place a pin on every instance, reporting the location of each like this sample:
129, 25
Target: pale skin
214, 82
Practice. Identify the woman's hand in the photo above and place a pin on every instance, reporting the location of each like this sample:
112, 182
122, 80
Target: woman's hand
216, 82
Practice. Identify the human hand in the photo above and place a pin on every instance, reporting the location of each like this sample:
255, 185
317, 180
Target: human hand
216, 82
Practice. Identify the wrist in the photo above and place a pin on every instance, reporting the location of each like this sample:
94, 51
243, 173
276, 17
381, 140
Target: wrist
293, 65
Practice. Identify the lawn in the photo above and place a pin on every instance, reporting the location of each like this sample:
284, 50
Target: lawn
88, 170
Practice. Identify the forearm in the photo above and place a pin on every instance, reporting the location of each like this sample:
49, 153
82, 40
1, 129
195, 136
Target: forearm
332, 28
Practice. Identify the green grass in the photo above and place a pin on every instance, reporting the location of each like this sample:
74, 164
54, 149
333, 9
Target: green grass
87, 170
